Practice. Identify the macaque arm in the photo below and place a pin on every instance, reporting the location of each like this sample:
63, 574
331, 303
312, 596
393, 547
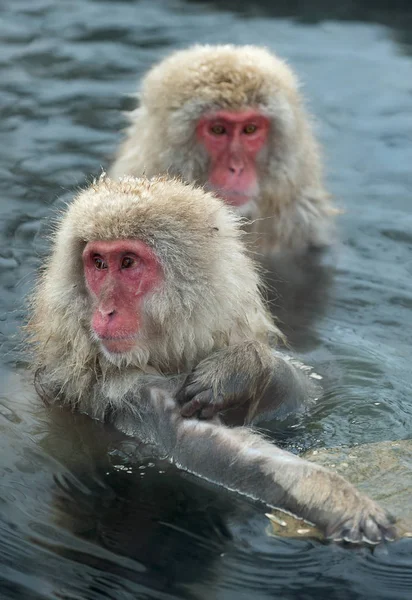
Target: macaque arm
243, 461
248, 377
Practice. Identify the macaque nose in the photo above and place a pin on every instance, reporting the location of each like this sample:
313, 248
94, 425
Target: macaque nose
236, 169
106, 312
104, 319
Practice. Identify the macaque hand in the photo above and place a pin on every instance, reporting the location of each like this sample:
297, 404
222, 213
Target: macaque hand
227, 379
368, 523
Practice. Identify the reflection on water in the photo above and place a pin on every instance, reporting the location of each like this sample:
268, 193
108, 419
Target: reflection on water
79, 518
298, 291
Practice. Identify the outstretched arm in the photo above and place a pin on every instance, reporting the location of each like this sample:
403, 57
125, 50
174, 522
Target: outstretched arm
245, 462
249, 380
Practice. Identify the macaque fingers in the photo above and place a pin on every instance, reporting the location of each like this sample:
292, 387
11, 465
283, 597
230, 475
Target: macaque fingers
205, 402
371, 526
190, 389
227, 379
198, 404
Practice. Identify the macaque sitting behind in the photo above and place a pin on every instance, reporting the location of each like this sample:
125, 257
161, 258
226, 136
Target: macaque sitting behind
148, 315
232, 120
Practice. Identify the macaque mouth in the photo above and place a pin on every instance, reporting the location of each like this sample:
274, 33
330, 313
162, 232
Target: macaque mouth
232, 197
118, 345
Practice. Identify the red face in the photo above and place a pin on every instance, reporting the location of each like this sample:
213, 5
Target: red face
118, 275
233, 141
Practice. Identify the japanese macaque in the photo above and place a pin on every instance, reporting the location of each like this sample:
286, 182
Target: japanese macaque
148, 315
232, 120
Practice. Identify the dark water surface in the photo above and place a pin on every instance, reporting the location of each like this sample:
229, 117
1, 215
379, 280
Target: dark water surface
78, 518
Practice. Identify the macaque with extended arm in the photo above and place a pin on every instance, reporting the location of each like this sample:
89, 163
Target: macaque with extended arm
150, 300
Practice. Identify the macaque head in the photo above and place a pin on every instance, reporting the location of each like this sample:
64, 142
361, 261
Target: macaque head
146, 273
229, 118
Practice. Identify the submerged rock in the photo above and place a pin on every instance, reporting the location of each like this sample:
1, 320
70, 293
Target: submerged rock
383, 470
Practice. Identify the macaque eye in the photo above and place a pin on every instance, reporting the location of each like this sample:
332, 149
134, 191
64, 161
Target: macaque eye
128, 262
250, 129
218, 129
99, 263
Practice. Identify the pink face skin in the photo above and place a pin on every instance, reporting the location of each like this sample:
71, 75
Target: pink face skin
118, 275
233, 141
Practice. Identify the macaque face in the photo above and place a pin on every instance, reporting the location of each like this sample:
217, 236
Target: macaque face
233, 141
118, 275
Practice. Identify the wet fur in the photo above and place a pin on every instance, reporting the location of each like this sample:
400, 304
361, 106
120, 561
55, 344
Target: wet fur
243, 461
208, 319
209, 298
